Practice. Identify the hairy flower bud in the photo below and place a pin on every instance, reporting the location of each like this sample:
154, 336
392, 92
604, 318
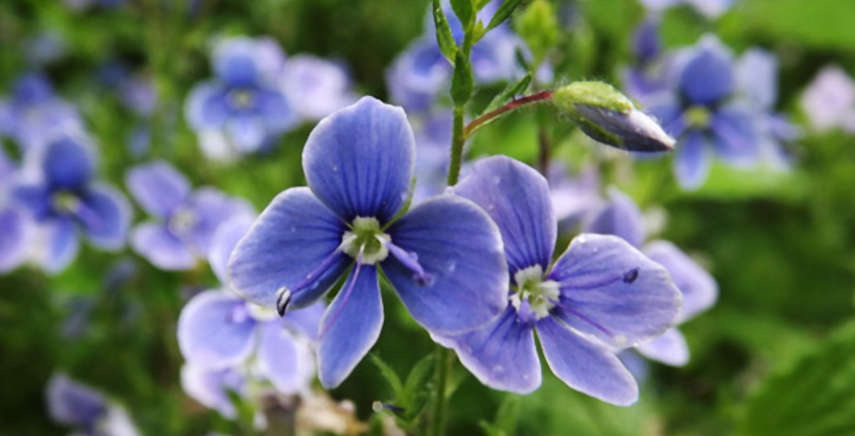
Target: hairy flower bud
607, 116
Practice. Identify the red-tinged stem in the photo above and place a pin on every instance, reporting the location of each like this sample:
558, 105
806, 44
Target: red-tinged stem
514, 104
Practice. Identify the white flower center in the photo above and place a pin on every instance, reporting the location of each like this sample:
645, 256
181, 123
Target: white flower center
366, 237
540, 294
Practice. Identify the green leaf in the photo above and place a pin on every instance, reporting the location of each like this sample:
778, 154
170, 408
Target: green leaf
418, 387
508, 414
464, 12
538, 27
813, 397
509, 92
390, 375
461, 82
502, 14
444, 37
479, 4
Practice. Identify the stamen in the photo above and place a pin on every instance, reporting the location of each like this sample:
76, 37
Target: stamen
411, 261
347, 292
283, 298
284, 294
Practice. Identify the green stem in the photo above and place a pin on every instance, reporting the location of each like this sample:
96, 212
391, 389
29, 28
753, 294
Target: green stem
457, 141
443, 356
512, 105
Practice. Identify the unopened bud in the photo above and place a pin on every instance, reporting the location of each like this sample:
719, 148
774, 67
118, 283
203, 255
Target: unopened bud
609, 117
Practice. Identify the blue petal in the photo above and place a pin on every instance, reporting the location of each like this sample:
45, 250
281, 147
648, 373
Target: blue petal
158, 188
621, 217
67, 163
585, 366
275, 111
216, 330
245, 61
699, 288
460, 249
353, 329
611, 291
289, 241
12, 239
247, 132
502, 354
692, 162
307, 321
283, 360
517, 199
494, 57
670, 348
224, 241
359, 161
62, 244
72, 403
708, 75
34, 199
318, 87
637, 365
418, 75
757, 71
210, 209
210, 387
112, 215
162, 248
737, 138
207, 106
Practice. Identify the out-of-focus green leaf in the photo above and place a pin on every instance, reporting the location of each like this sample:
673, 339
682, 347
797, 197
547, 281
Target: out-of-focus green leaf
464, 12
538, 27
507, 417
390, 375
418, 387
502, 14
444, 37
813, 397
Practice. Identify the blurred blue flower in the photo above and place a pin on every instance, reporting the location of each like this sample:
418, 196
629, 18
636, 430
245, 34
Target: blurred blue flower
443, 257
829, 100
185, 221
44, 48
33, 114
14, 229
244, 102
64, 200
419, 74
601, 295
432, 134
622, 217
316, 87
573, 198
709, 8
87, 410
211, 387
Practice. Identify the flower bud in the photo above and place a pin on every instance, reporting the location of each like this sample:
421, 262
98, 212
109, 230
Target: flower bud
609, 117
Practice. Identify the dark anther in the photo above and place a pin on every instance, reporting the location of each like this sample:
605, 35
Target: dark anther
283, 297
630, 276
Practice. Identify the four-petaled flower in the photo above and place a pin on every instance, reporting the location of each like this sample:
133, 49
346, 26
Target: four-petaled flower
621, 217
73, 404
186, 220
65, 200
600, 296
443, 257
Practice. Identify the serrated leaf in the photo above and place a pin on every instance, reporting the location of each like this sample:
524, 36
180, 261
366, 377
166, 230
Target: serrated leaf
461, 81
813, 397
444, 37
389, 375
464, 12
502, 14
418, 387
509, 92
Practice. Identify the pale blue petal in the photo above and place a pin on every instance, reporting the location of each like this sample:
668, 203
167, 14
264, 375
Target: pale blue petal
12, 239
517, 199
699, 288
210, 387
158, 188
207, 106
62, 244
224, 241
460, 250
285, 361
757, 72
157, 244
112, 217
210, 209
288, 242
613, 292
585, 366
708, 75
216, 330
670, 348
70, 402
307, 321
353, 327
693, 161
620, 217
359, 161
736, 136
247, 132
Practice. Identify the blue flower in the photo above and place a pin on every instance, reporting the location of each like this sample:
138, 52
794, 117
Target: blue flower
211, 387
244, 100
432, 133
316, 87
573, 197
443, 258
829, 100
13, 223
621, 217
186, 220
66, 200
709, 8
601, 295
34, 114
73, 404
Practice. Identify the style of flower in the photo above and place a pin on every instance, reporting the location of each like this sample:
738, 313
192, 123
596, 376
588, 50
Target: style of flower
600, 296
829, 100
87, 410
65, 200
185, 220
622, 217
33, 114
709, 8
244, 102
443, 258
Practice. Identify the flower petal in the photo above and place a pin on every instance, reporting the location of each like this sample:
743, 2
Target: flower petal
207, 106
737, 137
517, 199
67, 163
670, 348
359, 161
354, 330
460, 250
158, 188
293, 236
502, 354
692, 162
584, 366
112, 217
284, 360
215, 330
70, 402
699, 288
210, 209
611, 291
307, 321
620, 217
209, 387
708, 75
247, 132
757, 73
62, 244
13, 239
162, 248
224, 241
